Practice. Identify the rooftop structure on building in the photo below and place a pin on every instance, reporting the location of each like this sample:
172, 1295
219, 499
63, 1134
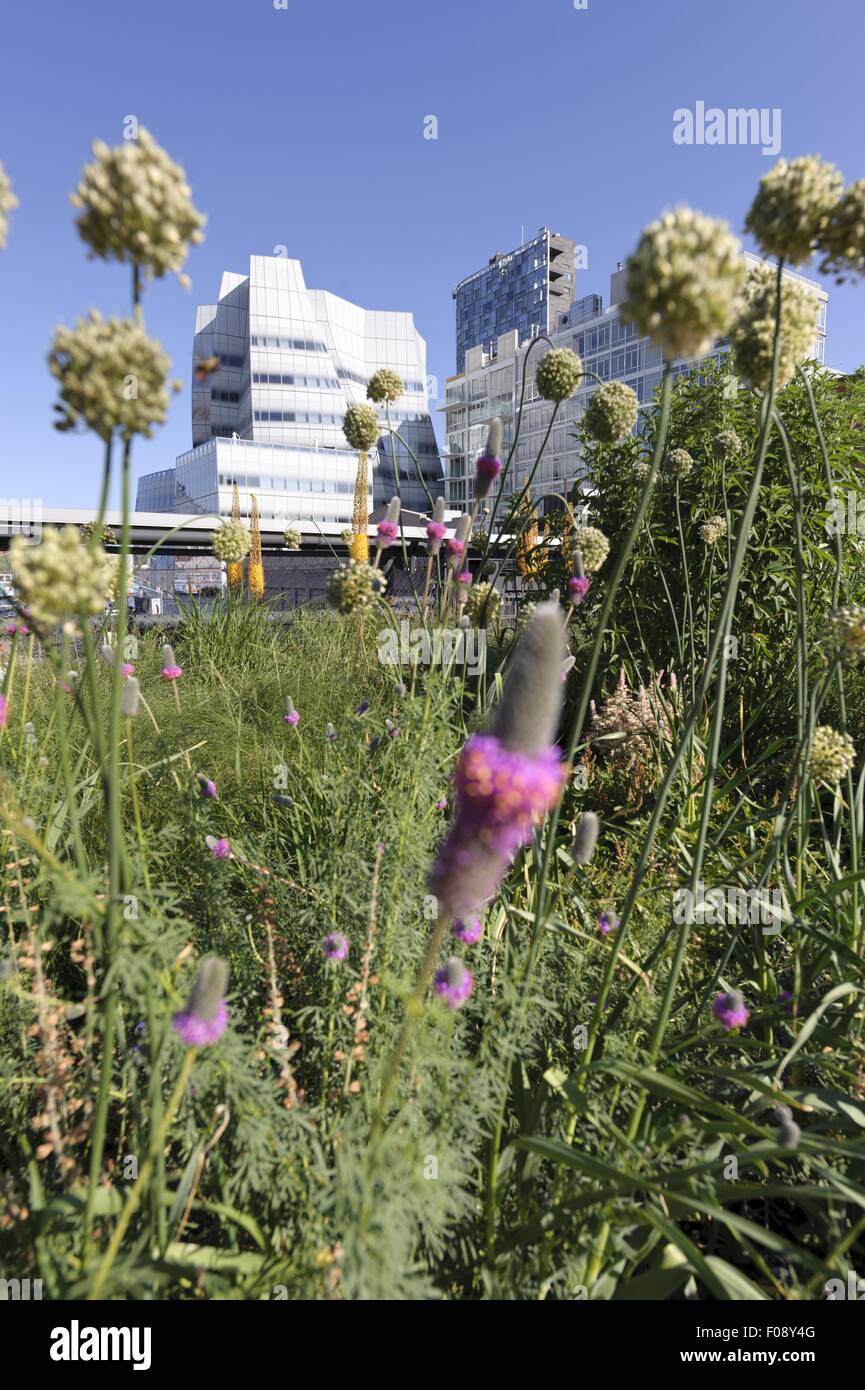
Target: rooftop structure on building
492, 382
521, 291
275, 366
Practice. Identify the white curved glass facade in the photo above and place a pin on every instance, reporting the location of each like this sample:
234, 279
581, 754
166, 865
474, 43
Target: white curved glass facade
268, 415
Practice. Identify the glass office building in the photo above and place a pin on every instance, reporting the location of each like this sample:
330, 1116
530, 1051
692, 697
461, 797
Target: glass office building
521, 291
491, 383
275, 366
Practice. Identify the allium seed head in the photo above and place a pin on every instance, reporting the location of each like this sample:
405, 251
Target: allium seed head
832, 755
231, 541
558, 374
8, 201
361, 427
793, 207
384, 385
137, 206
592, 545
753, 333
612, 412
683, 281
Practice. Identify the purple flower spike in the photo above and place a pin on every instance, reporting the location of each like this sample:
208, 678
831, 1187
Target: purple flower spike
730, 1011
455, 549
205, 1017
501, 795
489, 465
468, 930
435, 533
387, 532
607, 922
206, 787
442, 803
4, 711
453, 983
506, 780
336, 946
465, 578
293, 718
489, 468
578, 587
220, 849
172, 673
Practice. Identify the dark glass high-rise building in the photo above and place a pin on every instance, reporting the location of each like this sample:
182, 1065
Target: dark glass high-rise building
522, 290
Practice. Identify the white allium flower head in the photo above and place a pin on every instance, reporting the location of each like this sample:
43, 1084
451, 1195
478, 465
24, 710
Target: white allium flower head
61, 578
753, 333
793, 207
137, 206
111, 375
683, 281
8, 201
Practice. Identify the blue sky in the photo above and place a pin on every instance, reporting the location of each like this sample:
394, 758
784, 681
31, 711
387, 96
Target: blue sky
304, 127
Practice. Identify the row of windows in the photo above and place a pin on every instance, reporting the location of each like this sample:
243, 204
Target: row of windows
289, 344
315, 485
231, 397
346, 375
328, 383
298, 417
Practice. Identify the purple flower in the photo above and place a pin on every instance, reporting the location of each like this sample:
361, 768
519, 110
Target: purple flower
786, 998
501, 795
4, 711
436, 532
505, 780
578, 587
453, 983
336, 946
220, 849
442, 803
607, 922
170, 669
468, 930
204, 1019
363, 708
456, 549
127, 669
489, 465
488, 469
291, 715
465, 578
387, 532
206, 787
730, 1011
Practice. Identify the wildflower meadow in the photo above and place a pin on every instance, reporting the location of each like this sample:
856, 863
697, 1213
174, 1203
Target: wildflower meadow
332, 977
